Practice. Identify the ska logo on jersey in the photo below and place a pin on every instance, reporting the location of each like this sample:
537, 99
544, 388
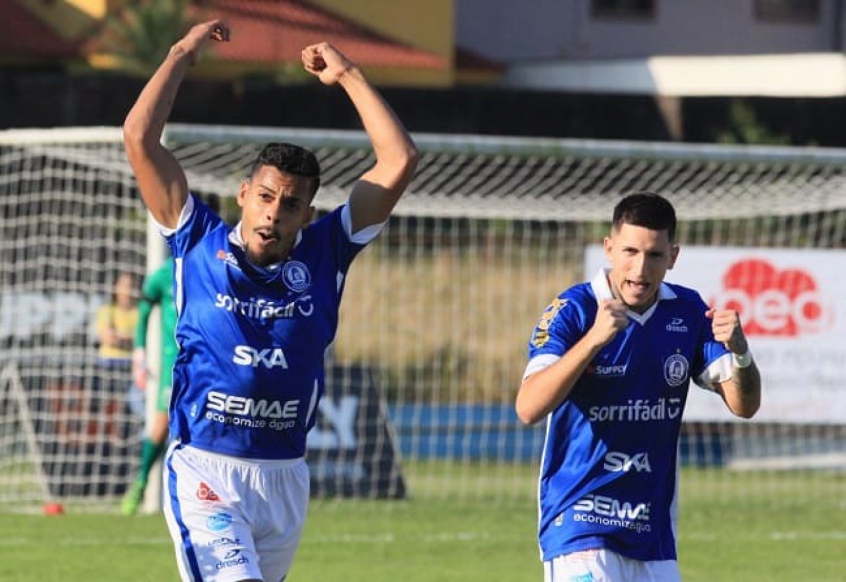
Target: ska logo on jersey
541, 336
676, 370
296, 276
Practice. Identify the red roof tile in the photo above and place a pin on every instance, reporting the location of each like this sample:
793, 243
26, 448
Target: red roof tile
275, 31
22, 34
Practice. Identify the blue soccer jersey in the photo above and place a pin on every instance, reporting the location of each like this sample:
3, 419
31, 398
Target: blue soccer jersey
249, 372
609, 468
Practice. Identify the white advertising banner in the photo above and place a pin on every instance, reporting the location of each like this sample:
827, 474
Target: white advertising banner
790, 303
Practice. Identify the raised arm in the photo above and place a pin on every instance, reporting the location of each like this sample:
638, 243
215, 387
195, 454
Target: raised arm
742, 392
160, 178
378, 190
544, 391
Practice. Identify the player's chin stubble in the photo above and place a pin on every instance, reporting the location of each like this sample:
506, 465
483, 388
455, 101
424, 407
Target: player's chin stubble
265, 258
256, 258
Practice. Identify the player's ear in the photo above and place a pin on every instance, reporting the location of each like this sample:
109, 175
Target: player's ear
608, 245
242, 192
309, 215
674, 255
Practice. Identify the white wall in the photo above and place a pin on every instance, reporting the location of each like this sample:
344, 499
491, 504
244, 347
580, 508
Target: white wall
533, 30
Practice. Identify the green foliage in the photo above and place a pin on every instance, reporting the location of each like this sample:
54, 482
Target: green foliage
746, 128
141, 33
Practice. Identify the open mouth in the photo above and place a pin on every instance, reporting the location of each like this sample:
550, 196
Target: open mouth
638, 285
637, 288
266, 235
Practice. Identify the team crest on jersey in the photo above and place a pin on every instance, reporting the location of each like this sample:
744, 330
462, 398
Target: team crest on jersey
676, 370
541, 335
296, 276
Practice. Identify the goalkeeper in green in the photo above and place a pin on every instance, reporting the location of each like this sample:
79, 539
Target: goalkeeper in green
157, 290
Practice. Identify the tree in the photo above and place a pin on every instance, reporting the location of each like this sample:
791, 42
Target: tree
140, 33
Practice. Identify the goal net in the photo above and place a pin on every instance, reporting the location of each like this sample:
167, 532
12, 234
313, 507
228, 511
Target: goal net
438, 311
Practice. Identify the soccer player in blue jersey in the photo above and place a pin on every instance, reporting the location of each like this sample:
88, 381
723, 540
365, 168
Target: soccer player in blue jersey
609, 366
258, 307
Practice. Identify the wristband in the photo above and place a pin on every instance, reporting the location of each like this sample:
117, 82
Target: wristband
743, 360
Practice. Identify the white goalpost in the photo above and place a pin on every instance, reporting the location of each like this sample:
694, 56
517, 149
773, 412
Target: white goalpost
19, 432
438, 311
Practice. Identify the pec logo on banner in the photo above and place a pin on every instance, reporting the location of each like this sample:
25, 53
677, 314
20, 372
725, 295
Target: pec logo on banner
773, 302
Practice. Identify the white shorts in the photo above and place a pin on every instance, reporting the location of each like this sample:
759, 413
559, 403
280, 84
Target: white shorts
606, 566
233, 519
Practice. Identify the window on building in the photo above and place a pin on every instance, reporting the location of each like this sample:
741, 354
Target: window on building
787, 10
622, 9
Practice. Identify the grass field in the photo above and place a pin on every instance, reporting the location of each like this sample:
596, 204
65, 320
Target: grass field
766, 536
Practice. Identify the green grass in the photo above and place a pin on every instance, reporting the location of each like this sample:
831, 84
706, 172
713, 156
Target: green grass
743, 528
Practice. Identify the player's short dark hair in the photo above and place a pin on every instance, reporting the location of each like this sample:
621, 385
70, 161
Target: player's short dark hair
648, 210
291, 159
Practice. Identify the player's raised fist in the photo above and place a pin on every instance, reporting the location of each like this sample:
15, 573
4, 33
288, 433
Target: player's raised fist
610, 318
725, 323
325, 62
193, 42
220, 32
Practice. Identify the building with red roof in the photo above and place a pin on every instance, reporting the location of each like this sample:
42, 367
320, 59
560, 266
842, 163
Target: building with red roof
267, 37
26, 39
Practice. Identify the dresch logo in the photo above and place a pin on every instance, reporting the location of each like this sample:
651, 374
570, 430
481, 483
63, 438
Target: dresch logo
772, 302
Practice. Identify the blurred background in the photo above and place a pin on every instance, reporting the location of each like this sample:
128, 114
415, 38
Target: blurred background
532, 120
740, 71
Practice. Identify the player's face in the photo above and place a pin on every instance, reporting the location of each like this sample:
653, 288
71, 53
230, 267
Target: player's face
275, 206
640, 258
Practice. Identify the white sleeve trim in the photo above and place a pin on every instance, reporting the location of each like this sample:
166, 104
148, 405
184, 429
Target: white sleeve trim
716, 373
187, 210
363, 236
539, 363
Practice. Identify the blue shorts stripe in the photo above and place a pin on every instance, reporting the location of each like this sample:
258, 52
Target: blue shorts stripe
187, 547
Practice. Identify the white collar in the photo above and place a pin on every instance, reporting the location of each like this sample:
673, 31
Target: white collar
602, 291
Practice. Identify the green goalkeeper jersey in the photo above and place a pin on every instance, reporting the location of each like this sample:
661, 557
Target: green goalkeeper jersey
158, 290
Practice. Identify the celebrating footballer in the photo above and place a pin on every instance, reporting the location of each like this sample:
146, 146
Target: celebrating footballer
257, 308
